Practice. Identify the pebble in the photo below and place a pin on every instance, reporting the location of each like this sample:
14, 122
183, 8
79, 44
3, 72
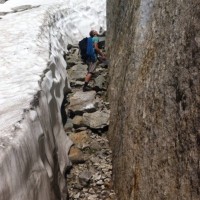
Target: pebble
76, 196
100, 182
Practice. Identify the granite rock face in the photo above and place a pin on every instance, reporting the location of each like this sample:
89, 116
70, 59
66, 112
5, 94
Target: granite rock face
154, 92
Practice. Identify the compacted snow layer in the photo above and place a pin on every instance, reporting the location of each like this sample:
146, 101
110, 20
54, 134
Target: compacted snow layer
33, 145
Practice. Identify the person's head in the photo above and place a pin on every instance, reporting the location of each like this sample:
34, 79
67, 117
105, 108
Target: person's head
93, 33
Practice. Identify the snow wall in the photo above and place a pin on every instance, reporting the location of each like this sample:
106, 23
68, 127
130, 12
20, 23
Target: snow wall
33, 79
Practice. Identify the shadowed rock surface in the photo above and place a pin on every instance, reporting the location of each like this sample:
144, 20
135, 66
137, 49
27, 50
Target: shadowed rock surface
154, 96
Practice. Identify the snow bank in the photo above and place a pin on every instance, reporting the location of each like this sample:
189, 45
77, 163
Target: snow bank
33, 79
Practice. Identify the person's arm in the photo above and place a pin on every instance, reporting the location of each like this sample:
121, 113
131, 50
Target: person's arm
98, 50
96, 47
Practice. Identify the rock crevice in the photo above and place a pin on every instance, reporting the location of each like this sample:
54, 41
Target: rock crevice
88, 120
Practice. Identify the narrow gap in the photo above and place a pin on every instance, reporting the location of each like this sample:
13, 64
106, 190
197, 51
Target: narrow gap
86, 120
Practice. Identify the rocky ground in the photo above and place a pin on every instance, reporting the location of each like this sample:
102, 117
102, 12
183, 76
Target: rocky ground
87, 124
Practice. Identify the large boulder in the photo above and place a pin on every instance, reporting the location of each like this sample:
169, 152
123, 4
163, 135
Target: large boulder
83, 102
100, 83
97, 120
77, 72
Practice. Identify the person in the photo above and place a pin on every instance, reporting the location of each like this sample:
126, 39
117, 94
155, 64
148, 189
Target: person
91, 62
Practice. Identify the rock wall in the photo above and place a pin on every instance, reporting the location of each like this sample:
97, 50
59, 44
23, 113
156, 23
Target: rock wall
154, 92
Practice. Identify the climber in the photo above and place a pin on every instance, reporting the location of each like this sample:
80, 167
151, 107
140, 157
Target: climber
92, 61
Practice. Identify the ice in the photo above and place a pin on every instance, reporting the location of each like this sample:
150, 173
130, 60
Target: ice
33, 145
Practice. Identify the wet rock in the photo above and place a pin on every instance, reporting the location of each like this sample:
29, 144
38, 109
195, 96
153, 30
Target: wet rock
96, 120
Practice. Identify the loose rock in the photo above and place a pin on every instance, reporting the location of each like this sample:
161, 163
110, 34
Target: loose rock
76, 156
85, 177
96, 120
83, 102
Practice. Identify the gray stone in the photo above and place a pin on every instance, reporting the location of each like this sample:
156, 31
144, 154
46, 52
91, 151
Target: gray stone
91, 191
96, 120
102, 187
97, 177
77, 195
77, 72
74, 83
85, 177
95, 145
69, 125
71, 62
83, 101
93, 197
100, 83
100, 182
